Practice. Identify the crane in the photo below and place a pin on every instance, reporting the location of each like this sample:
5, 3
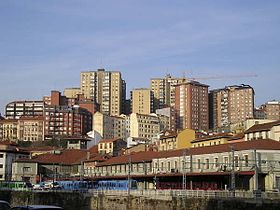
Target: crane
223, 77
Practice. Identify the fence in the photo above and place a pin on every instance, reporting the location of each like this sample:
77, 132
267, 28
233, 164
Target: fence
168, 194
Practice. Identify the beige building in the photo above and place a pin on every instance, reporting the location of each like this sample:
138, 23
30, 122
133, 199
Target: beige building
106, 88
109, 127
144, 126
8, 129
191, 104
231, 105
269, 130
142, 101
31, 128
72, 92
164, 90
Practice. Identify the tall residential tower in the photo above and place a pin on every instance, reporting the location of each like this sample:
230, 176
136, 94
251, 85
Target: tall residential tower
107, 88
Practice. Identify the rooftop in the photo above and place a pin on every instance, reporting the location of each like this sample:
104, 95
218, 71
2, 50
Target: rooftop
262, 127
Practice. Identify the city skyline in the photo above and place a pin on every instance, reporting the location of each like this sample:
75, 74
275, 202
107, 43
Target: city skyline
45, 45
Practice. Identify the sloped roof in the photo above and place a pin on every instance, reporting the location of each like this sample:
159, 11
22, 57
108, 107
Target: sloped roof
67, 157
262, 127
109, 140
264, 144
215, 136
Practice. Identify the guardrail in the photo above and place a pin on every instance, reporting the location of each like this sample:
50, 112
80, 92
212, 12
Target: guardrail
168, 194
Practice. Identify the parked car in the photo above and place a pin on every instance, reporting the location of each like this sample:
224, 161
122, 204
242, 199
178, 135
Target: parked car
4, 205
37, 207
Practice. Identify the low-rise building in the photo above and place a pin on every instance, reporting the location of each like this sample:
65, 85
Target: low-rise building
9, 152
59, 165
263, 131
210, 167
171, 140
111, 147
215, 139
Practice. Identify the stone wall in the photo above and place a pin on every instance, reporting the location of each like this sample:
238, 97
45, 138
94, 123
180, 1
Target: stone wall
78, 201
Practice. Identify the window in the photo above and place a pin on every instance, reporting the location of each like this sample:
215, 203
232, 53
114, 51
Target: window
216, 162
1, 165
198, 163
1, 155
26, 169
246, 160
236, 162
207, 164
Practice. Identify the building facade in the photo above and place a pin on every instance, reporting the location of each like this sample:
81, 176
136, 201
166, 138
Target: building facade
231, 104
191, 104
144, 126
31, 128
107, 88
9, 129
109, 127
164, 90
16, 109
9, 152
66, 121
142, 101
72, 92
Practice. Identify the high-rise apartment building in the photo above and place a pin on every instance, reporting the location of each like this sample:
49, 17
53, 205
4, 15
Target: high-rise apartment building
142, 101
270, 111
191, 104
106, 88
164, 90
231, 104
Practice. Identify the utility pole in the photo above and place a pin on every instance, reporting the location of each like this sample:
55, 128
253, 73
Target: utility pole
184, 170
191, 170
233, 172
256, 171
128, 177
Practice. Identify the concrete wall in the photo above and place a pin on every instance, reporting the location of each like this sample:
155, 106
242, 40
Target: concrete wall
76, 201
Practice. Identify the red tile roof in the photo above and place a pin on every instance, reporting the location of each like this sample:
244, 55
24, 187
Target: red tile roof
266, 144
41, 149
94, 149
67, 157
262, 127
109, 140
211, 137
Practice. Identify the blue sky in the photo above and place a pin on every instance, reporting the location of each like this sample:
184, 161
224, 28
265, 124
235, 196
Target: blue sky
44, 45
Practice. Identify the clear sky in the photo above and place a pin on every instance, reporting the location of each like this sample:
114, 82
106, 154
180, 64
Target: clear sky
45, 44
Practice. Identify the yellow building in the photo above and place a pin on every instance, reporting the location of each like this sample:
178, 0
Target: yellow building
172, 141
111, 146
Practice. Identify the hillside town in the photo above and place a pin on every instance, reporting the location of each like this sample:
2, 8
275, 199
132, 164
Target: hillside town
176, 134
